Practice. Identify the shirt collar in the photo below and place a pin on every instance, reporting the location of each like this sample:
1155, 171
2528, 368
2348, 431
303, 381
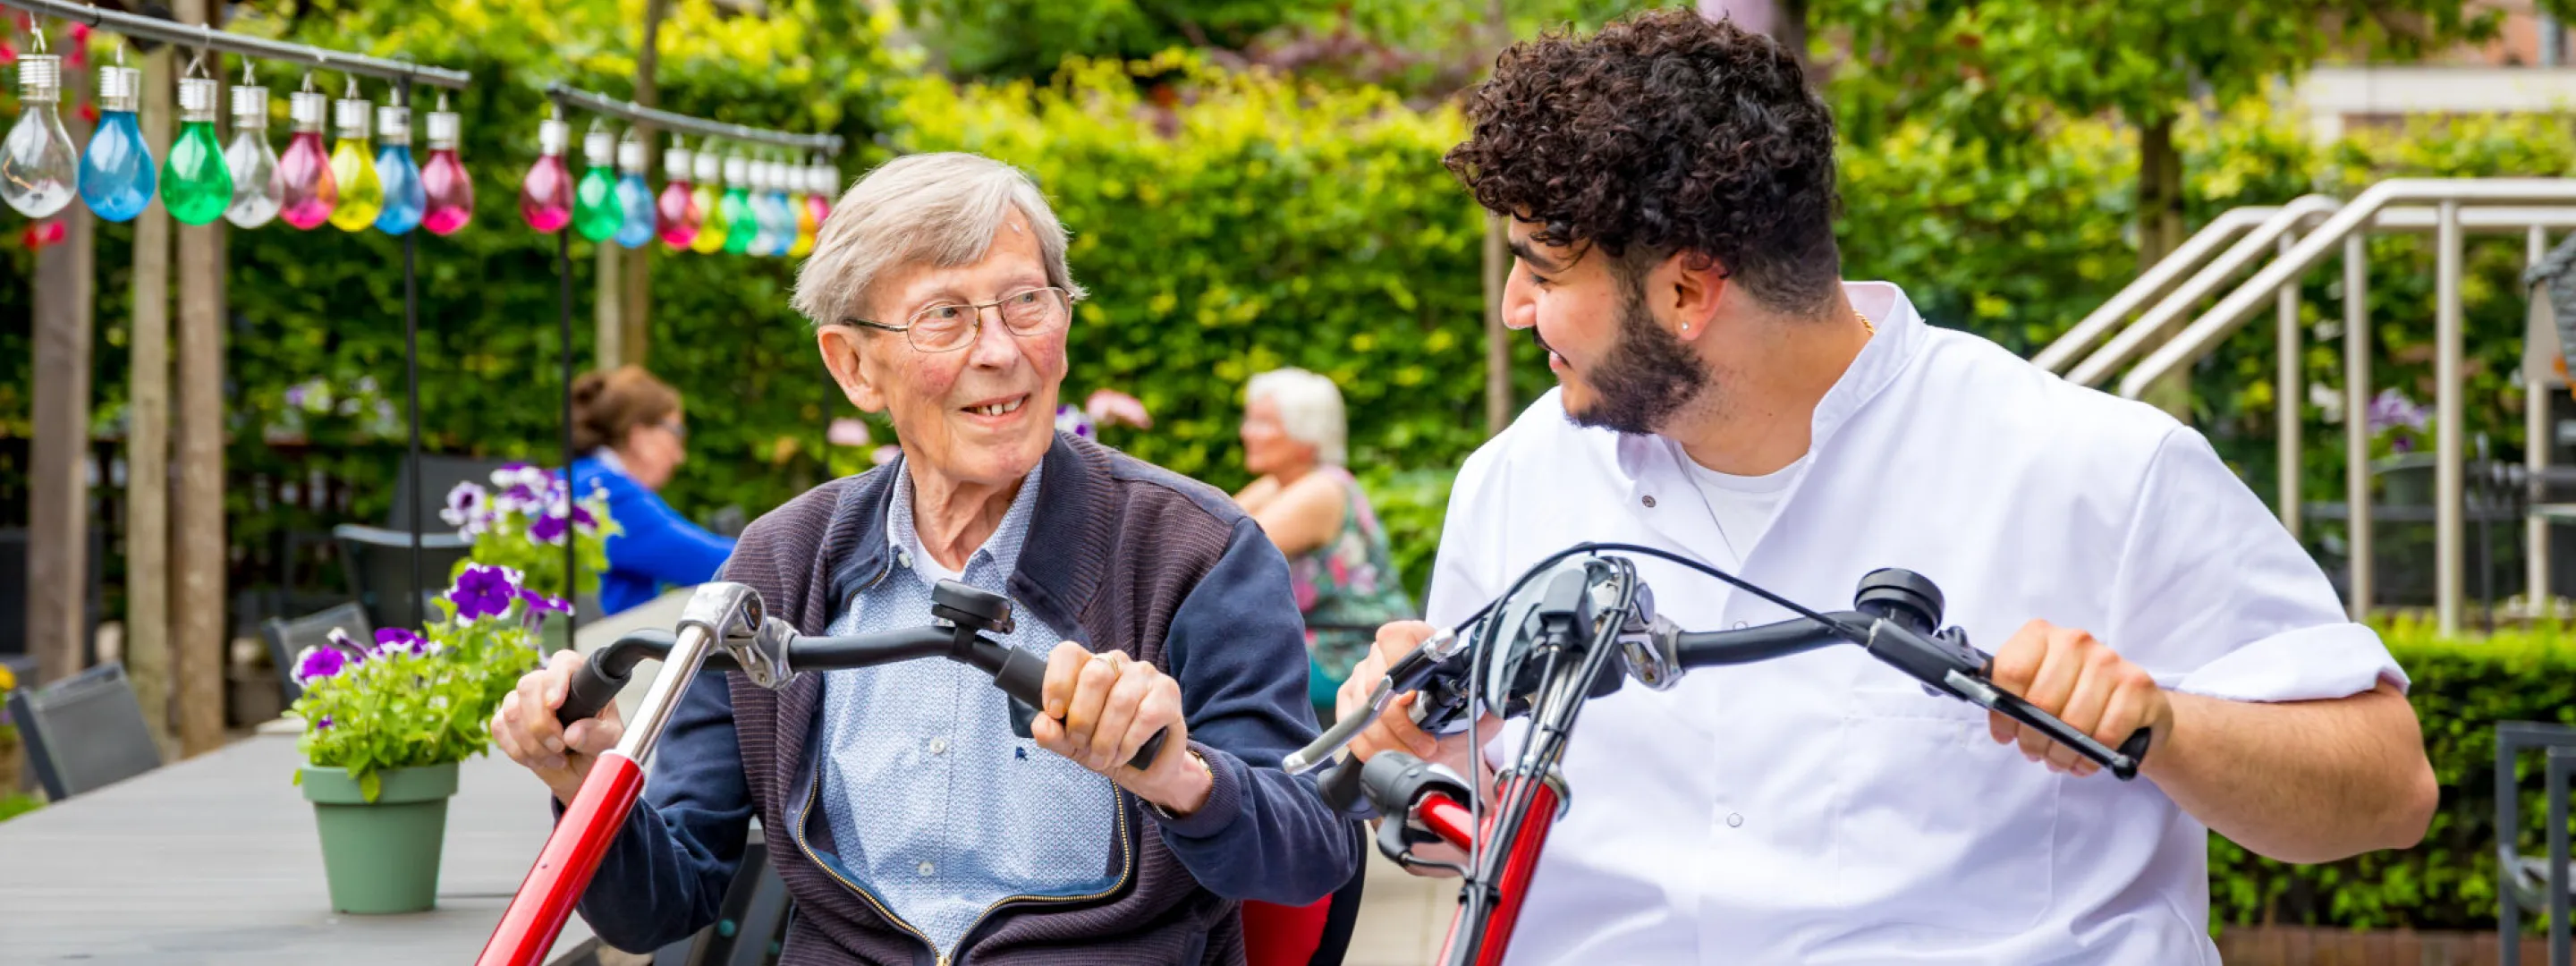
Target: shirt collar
1002, 549
607, 459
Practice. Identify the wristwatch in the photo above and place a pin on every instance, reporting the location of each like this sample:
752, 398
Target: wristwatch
1196, 758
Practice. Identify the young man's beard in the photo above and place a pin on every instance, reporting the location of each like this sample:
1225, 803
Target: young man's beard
1647, 376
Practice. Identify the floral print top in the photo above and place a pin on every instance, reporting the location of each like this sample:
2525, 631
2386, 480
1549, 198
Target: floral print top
1346, 588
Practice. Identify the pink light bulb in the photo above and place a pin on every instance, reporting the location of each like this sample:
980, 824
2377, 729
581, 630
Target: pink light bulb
676, 216
304, 172
443, 179
545, 195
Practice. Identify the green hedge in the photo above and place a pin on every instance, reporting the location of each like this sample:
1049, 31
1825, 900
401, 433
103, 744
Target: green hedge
2461, 690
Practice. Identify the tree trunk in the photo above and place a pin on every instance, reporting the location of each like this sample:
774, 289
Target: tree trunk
1781, 20
58, 524
2159, 233
636, 318
197, 555
147, 435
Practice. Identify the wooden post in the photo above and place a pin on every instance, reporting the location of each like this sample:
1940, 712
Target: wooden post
147, 433
58, 564
636, 314
197, 552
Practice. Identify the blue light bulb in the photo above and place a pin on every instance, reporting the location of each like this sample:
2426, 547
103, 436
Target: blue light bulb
117, 176
405, 199
635, 229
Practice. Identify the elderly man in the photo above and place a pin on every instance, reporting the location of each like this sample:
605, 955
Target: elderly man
908, 822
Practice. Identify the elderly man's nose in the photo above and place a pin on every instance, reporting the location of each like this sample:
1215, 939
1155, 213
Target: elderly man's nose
994, 345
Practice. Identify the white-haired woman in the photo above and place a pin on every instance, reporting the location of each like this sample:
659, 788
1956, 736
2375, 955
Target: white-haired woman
1294, 436
923, 828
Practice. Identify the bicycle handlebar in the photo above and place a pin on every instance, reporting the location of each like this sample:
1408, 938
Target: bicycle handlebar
778, 652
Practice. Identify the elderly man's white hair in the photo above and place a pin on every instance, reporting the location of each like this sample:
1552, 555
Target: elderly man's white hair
923, 210
1310, 410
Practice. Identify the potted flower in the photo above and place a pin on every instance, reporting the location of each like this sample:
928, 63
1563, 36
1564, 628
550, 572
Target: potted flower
386, 723
522, 521
11, 772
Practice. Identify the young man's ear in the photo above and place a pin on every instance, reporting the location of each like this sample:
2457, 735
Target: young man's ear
1693, 285
844, 353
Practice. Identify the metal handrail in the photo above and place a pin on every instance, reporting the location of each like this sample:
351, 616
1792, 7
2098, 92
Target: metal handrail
2150, 284
2204, 332
2255, 244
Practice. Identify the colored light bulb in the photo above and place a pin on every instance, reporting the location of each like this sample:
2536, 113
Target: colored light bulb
791, 215
594, 201
827, 186
362, 188
39, 164
742, 224
782, 221
406, 202
447, 189
258, 191
675, 214
545, 195
806, 223
634, 199
309, 190
196, 184
116, 174
764, 239
707, 196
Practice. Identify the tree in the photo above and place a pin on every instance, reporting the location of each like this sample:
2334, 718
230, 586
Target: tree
2000, 67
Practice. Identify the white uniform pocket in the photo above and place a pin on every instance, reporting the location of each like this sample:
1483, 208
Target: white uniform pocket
1937, 825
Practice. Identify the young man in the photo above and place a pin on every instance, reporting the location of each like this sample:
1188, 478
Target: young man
1724, 395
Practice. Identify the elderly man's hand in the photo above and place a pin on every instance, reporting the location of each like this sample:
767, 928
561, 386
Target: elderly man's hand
1100, 708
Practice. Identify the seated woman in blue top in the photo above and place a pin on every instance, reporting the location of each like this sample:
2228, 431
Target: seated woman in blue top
629, 423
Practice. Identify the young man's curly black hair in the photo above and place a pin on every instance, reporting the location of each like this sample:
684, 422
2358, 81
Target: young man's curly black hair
1664, 133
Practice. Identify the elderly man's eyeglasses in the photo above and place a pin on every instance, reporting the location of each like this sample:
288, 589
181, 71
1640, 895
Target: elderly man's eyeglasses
945, 326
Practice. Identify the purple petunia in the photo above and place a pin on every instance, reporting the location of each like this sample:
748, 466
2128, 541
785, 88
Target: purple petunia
538, 602
396, 640
546, 529
318, 662
484, 591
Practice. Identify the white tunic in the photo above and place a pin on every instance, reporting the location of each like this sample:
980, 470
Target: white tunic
1823, 809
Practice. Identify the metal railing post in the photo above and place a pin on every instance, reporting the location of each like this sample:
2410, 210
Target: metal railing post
2356, 422
2448, 478
2537, 392
2290, 396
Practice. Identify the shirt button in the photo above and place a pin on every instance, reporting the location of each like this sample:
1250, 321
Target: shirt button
1740, 625
1733, 820
1648, 500
928, 869
938, 746
904, 558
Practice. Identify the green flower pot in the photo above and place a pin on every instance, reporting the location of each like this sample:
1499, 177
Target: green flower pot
381, 856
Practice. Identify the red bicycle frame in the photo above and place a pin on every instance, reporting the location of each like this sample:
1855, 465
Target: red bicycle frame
1452, 821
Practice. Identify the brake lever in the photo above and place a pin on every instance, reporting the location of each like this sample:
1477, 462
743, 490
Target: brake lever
1947, 663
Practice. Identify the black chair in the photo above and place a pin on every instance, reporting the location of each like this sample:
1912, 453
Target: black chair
751, 922
84, 732
438, 474
380, 573
288, 638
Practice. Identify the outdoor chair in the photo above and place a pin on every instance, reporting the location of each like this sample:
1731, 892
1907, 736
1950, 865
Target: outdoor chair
288, 638
2524, 885
380, 575
84, 732
438, 474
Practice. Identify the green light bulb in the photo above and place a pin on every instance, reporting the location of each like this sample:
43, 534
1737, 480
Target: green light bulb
741, 223
362, 194
196, 181
595, 211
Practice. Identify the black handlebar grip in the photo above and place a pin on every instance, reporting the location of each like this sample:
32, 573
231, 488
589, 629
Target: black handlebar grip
1340, 789
1023, 677
591, 690
2135, 751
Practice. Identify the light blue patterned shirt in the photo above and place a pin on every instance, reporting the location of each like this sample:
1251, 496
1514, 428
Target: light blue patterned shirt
937, 808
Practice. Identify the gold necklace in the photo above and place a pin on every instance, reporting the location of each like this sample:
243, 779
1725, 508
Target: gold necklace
1864, 322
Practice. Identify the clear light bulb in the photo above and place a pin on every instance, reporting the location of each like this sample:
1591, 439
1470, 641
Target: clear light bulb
405, 200
545, 195
309, 190
781, 209
258, 192
39, 165
594, 201
195, 183
634, 199
116, 175
707, 196
675, 214
742, 224
362, 189
448, 190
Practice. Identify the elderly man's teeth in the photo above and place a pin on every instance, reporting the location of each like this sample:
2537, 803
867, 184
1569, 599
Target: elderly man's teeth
999, 408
